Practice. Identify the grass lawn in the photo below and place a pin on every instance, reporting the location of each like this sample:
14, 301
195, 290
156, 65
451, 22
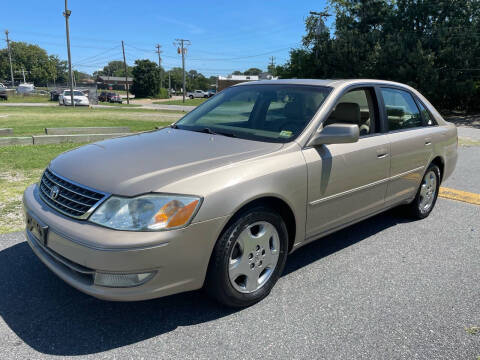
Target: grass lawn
21, 166
27, 98
189, 102
32, 120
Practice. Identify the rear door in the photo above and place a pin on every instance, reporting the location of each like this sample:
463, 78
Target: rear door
411, 143
348, 181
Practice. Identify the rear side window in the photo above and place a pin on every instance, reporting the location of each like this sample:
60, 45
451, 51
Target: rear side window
427, 118
402, 111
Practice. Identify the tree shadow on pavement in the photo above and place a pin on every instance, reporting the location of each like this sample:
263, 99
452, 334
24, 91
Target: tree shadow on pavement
54, 318
465, 120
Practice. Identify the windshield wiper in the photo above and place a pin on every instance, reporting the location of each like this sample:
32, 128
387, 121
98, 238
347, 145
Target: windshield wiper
207, 130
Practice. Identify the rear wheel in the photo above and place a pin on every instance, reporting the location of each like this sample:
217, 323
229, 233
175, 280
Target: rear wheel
427, 194
248, 258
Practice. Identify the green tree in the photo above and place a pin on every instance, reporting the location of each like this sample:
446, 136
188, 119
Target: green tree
252, 71
40, 68
431, 45
114, 68
146, 79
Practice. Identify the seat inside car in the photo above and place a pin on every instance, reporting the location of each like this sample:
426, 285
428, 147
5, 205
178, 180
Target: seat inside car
345, 113
294, 113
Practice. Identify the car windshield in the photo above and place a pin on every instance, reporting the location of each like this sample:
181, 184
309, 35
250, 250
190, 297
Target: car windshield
75, 93
267, 112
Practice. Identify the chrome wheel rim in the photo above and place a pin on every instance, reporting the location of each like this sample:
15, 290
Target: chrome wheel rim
428, 190
254, 257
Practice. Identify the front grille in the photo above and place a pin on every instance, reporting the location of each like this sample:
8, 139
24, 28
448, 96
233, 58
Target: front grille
68, 197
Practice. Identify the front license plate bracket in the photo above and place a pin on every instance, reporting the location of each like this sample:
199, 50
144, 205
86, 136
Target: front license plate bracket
37, 229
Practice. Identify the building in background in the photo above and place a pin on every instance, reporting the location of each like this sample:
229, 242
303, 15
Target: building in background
113, 82
224, 82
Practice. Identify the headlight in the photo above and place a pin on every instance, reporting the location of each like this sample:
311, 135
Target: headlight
147, 212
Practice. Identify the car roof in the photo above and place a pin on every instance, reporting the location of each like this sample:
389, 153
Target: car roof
323, 82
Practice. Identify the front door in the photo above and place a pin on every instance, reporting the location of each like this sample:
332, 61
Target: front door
348, 181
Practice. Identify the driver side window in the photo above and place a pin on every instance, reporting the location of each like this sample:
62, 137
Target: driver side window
355, 107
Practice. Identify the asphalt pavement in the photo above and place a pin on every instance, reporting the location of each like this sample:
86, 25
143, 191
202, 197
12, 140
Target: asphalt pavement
386, 288
466, 176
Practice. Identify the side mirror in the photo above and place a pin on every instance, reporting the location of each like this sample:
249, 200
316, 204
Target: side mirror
336, 134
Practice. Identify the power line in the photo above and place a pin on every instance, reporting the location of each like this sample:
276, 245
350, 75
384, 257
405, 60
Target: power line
89, 58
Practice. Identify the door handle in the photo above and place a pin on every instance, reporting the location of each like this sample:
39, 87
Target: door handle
428, 141
382, 152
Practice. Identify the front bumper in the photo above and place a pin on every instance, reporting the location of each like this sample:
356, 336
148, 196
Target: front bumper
76, 249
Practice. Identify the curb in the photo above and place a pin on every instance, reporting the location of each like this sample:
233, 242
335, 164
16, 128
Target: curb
57, 139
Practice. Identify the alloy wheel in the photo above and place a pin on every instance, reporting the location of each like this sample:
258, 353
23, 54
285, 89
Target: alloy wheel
428, 190
254, 257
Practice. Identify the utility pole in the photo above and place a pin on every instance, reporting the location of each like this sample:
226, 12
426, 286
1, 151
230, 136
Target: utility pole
126, 74
23, 74
272, 65
320, 26
181, 49
169, 84
67, 14
10, 58
158, 46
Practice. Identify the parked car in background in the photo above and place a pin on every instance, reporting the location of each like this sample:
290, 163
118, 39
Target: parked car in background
3, 92
260, 170
109, 97
79, 98
102, 96
197, 94
114, 98
55, 94
25, 88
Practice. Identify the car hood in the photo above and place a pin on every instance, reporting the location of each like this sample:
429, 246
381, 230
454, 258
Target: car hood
145, 162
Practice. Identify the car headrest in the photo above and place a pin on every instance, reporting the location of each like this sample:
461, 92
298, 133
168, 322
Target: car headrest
292, 109
348, 113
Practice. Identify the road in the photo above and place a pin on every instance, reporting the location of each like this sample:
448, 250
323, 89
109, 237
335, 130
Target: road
386, 288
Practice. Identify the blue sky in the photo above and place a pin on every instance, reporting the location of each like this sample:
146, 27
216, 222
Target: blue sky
225, 35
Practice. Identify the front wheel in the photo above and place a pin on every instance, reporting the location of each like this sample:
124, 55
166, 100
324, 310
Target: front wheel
191, 97
427, 194
248, 258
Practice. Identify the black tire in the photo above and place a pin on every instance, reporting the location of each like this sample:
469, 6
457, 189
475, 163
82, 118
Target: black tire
218, 284
415, 209
191, 97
